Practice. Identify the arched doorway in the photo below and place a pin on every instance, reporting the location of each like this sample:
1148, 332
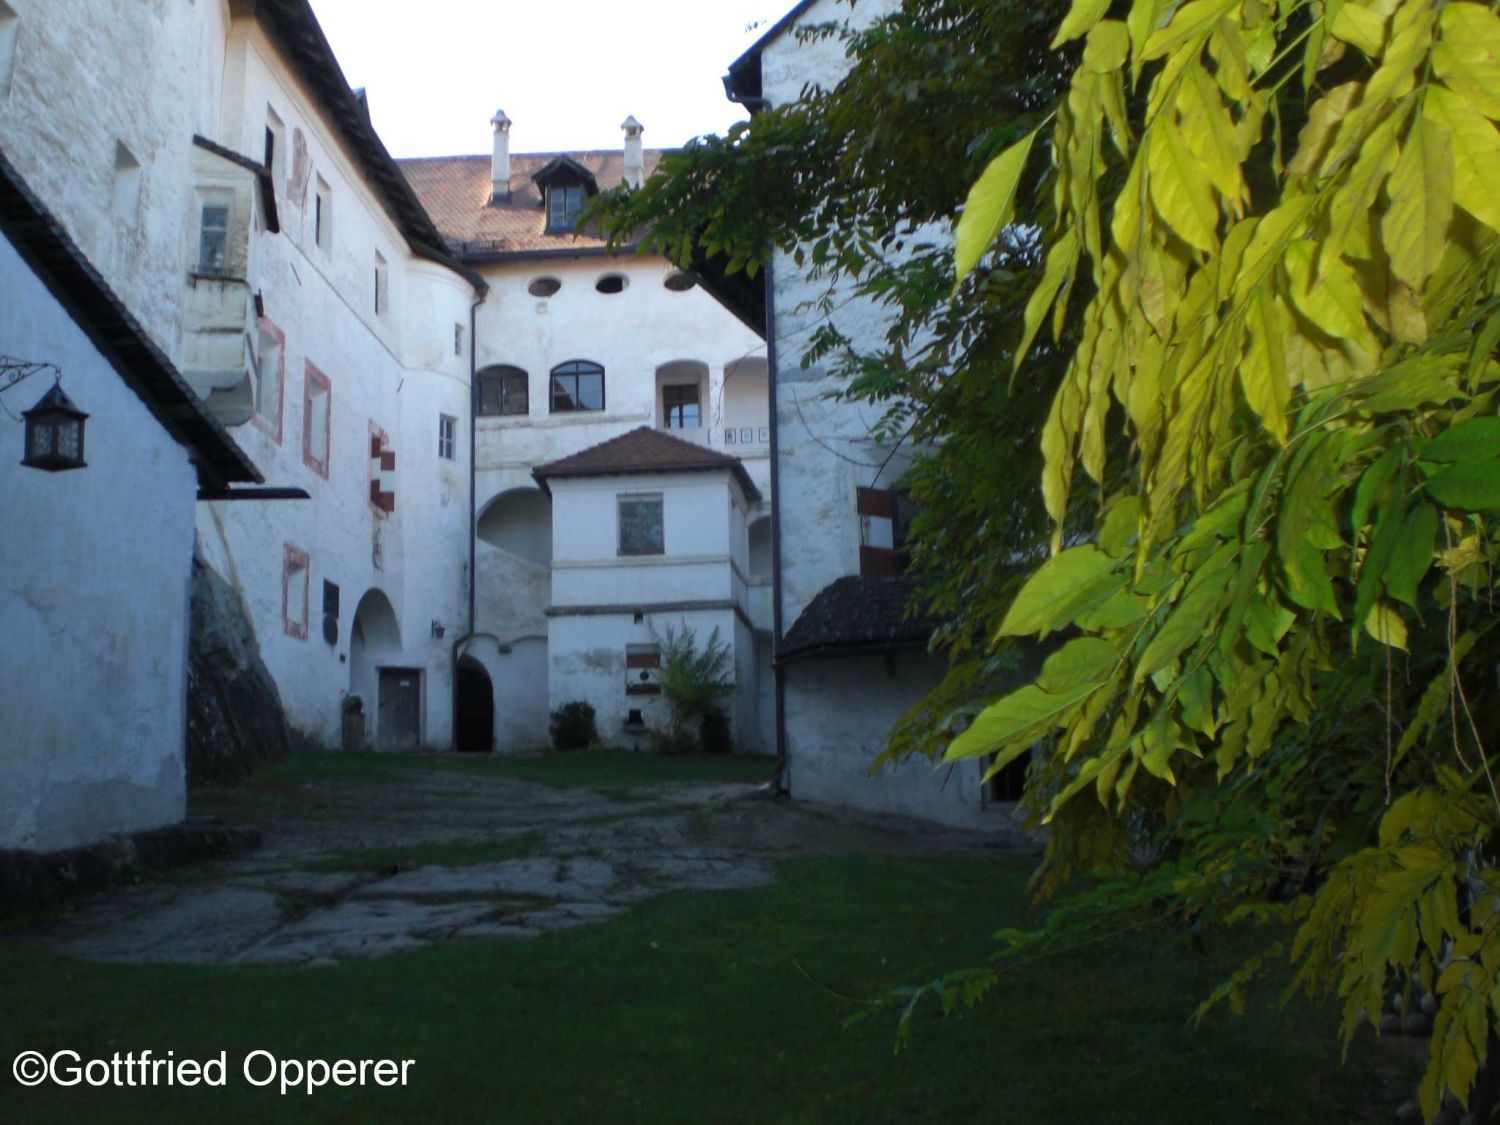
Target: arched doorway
474, 711
390, 693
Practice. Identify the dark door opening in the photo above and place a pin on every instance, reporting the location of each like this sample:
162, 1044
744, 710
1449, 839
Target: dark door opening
474, 713
400, 708
1008, 784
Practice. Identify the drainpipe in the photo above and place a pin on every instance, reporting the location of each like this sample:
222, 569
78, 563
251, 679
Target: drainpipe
781, 780
473, 427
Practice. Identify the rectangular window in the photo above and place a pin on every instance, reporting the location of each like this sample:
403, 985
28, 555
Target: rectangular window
641, 531
679, 407
317, 415
127, 186
295, 574
213, 240
458, 339
502, 390
275, 149
330, 612
323, 216
576, 386
270, 376
382, 285
447, 436
563, 205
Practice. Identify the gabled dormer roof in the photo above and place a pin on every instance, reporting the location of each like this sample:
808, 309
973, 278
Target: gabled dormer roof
641, 451
565, 170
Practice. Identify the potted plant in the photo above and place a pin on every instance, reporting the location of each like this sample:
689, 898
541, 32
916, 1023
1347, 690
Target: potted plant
354, 723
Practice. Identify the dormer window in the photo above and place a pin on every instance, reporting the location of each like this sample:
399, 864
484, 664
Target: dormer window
563, 204
564, 185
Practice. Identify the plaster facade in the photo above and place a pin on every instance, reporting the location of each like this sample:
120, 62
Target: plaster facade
837, 710
97, 565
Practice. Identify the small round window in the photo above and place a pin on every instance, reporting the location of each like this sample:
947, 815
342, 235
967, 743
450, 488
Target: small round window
680, 282
611, 283
543, 286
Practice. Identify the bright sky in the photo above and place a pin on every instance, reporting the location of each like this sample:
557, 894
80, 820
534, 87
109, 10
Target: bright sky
567, 72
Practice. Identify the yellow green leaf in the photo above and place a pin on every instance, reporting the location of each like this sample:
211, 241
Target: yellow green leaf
1108, 44
1263, 370
1081, 17
991, 205
1333, 303
1065, 585
1385, 625
1179, 189
1415, 225
1476, 154
1020, 717
1359, 26
1192, 21
1062, 260
1471, 72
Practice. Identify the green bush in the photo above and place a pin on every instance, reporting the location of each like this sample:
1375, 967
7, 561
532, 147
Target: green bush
692, 678
713, 732
573, 726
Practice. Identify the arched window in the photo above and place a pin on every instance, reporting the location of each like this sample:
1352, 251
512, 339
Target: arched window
502, 390
577, 385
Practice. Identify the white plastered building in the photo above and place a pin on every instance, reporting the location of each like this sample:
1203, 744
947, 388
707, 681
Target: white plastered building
850, 660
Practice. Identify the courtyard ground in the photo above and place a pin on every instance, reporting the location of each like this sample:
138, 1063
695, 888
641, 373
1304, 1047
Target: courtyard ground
621, 938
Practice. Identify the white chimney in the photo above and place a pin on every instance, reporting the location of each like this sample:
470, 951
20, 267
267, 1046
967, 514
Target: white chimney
500, 164
635, 162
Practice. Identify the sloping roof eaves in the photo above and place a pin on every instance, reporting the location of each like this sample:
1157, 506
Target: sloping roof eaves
72, 279
261, 173
743, 79
645, 451
294, 29
855, 614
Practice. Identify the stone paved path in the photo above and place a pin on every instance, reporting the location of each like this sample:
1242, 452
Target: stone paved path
581, 857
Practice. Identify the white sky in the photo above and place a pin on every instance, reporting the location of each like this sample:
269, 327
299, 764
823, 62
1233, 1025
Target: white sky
567, 72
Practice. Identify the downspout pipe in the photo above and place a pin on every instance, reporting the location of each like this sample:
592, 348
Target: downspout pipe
479, 296
781, 780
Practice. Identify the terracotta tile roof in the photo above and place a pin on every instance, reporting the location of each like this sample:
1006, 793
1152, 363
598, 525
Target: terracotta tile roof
455, 190
644, 450
860, 613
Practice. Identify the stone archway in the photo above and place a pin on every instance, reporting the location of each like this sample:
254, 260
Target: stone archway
474, 709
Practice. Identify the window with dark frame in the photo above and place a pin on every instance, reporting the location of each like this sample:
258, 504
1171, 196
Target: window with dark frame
503, 391
447, 436
563, 204
577, 386
213, 239
641, 529
679, 406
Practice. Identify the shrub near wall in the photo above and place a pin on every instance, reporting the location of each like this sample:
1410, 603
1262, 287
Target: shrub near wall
572, 726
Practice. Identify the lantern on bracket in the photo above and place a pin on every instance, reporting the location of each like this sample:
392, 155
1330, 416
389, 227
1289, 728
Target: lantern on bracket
54, 433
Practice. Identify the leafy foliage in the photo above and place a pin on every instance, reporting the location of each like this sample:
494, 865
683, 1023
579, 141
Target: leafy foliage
1225, 280
572, 726
693, 679
1296, 338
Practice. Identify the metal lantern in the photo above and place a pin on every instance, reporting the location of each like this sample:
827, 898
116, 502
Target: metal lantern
54, 433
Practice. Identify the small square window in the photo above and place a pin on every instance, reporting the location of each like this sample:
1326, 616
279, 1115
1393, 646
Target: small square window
213, 239
447, 436
641, 530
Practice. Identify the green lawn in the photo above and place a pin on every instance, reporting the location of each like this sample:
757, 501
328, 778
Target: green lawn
589, 768
707, 1007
